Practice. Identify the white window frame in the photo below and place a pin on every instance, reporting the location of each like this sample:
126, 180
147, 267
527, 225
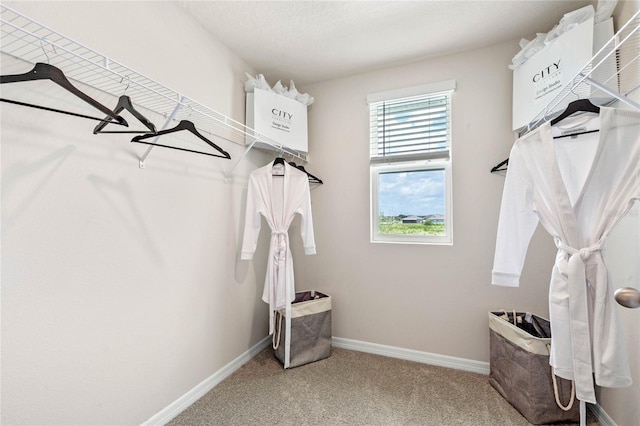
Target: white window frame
427, 162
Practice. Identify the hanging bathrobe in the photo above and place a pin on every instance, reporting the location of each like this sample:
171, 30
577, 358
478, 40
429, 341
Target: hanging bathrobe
578, 189
278, 193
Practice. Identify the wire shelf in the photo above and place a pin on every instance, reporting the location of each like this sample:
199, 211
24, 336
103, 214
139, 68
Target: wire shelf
30, 41
613, 73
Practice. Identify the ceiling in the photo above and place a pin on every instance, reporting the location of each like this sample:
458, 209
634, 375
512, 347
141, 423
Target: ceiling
311, 41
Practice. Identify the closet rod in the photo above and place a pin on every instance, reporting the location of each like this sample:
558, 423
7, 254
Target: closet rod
228, 177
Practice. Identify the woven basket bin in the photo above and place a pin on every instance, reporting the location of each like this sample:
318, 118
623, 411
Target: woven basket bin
310, 329
519, 368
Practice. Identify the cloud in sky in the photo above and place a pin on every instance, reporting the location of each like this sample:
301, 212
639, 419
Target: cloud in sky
417, 193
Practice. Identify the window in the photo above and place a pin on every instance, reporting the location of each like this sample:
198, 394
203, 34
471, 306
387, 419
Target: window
410, 163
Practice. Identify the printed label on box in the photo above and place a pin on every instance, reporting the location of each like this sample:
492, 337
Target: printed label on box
539, 80
281, 119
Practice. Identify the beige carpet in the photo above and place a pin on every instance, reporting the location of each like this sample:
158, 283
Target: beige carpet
351, 388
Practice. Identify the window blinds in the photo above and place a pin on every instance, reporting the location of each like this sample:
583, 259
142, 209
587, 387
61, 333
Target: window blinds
411, 128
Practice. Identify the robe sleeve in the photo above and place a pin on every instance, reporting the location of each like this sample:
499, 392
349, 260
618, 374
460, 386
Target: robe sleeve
306, 222
252, 222
516, 225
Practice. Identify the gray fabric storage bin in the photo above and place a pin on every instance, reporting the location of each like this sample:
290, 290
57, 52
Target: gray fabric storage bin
310, 329
519, 369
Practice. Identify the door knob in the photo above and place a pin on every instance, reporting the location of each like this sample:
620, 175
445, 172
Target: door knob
628, 297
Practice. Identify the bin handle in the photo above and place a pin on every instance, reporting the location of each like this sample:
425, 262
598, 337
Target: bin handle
515, 322
275, 340
557, 396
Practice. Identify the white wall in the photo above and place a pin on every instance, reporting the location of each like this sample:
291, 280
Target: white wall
434, 298
121, 287
426, 298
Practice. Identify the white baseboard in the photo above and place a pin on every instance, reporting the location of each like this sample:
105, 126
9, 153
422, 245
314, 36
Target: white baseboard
412, 355
179, 405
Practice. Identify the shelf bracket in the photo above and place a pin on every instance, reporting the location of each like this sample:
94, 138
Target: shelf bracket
142, 159
229, 176
611, 93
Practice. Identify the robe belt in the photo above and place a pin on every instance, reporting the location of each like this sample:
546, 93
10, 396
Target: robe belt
280, 244
579, 320
279, 241
279, 247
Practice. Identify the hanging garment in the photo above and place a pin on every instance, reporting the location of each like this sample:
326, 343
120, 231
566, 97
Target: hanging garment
578, 189
278, 193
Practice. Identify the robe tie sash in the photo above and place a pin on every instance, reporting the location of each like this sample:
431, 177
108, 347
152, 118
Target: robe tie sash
280, 242
579, 320
279, 249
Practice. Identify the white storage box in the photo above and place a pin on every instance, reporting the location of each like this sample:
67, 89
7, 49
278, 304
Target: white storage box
539, 80
281, 119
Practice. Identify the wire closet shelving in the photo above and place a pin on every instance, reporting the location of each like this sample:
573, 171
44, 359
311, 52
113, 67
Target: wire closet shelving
599, 79
32, 42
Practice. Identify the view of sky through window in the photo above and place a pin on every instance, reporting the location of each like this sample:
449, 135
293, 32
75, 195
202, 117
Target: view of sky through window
412, 193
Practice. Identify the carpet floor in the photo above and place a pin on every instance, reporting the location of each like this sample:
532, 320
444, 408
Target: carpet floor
352, 388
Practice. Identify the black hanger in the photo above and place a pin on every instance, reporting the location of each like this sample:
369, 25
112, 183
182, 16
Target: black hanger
581, 105
42, 71
276, 161
500, 167
124, 102
183, 125
312, 178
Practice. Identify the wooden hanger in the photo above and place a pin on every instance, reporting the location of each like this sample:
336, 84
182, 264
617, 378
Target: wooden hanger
277, 161
183, 125
312, 178
124, 103
42, 71
581, 105
500, 167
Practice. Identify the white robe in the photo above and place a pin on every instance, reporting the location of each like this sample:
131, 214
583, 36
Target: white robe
578, 189
278, 199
